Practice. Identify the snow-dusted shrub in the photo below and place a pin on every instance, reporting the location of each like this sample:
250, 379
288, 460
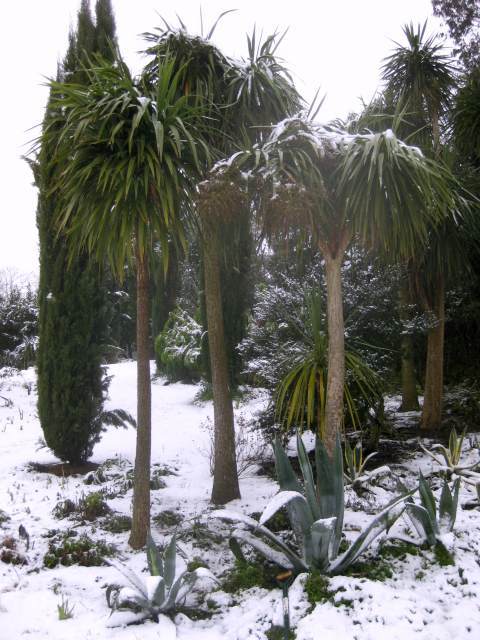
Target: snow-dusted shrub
286, 349
178, 347
18, 325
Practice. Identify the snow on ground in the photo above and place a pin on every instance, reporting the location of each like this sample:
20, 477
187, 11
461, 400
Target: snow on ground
421, 599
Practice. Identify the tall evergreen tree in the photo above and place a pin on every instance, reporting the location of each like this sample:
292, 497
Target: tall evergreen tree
105, 31
72, 322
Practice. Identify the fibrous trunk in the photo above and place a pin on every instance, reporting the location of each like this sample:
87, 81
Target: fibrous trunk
433, 393
336, 352
225, 476
141, 487
409, 384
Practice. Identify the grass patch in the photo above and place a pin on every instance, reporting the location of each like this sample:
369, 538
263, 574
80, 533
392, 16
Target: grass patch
278, 633
375, 569
442, 555
246, 575
317, 588
398, 549
196, 563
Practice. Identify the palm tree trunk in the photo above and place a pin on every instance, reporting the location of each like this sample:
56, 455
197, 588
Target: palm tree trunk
336, 351
409, 385
141, 487
225, 476
433, 393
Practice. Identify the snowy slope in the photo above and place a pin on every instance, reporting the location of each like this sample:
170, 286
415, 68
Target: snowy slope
421, 600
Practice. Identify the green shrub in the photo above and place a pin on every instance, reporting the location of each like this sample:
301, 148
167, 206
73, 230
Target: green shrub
66, 549
117, 524
167, 518
178, 347
9, 553
89, 507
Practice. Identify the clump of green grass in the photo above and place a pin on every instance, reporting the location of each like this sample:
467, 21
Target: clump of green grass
246, 575
443, 555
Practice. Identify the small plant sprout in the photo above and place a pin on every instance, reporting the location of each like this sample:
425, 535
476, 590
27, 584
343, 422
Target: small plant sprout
65, 610
315, 510
162, 591
355, 462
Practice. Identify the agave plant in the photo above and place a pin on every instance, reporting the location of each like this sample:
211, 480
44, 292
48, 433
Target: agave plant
355, 461
315, 509
449, 457
429, 522
162, 591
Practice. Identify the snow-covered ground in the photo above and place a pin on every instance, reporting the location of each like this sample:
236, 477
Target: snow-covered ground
420, 600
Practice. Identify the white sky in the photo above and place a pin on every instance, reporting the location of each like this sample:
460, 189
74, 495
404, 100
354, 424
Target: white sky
337, 45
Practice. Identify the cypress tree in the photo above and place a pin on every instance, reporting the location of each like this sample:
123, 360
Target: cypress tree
105, 32
72, 320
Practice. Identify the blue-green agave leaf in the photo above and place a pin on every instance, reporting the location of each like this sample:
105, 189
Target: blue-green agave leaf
422, 521
381, 523
169, 562
154, 558
308, 480
427, 498
323, 533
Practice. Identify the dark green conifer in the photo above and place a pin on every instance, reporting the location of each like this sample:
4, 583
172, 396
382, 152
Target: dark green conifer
72, 321
105, 32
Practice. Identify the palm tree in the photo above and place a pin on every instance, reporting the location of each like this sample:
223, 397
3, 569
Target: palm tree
370, 187
420, 79
128, 152
243, 96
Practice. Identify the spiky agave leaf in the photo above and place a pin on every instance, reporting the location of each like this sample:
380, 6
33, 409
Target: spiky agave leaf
308, 480
323, 536
428, 500
231, 516
281, 558
154, 557
381, 523
447, 510
330, 487
426, 528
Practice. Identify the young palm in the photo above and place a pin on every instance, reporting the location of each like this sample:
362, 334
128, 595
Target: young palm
129, 154
372, 187
420, 79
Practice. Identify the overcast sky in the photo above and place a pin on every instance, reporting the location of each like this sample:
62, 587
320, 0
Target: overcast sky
337, 45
